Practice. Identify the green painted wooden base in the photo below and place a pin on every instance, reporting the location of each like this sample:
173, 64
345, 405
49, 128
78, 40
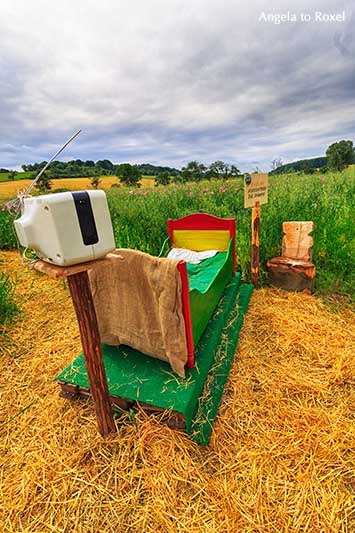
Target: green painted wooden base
193, 401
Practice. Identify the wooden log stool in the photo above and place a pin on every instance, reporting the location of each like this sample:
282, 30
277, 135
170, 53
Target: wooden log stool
294, 270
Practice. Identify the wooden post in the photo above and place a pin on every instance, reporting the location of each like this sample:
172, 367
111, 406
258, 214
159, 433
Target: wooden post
89, 332
255, 241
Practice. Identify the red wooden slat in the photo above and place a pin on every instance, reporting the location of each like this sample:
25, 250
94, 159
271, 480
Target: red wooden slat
187, 314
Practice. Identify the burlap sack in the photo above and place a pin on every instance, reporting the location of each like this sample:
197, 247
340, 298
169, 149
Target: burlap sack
138, 302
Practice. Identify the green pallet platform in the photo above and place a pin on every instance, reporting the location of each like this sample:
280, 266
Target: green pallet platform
135, 376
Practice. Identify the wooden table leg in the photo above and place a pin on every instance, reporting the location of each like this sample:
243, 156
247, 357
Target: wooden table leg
89, 332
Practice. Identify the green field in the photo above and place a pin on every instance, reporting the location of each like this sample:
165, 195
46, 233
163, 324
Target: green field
139, 219
4, 176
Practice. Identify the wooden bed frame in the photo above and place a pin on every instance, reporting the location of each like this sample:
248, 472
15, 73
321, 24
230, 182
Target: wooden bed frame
200, 232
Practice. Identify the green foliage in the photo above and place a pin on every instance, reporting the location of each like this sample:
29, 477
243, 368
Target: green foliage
163, 178
36, 167
95, 182
77, 168
193, 171
340, 154
44, 184
298, 166
129, 174
8, 307
7, 231
12, 175
220, 170
147, 169
105, 164
306, 168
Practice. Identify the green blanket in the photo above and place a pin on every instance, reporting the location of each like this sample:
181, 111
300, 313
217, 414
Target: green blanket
201, 276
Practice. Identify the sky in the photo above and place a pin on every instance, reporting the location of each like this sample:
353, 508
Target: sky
171, 81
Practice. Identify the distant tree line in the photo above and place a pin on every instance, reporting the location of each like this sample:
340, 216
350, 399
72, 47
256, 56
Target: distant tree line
338, 156
80, 169
129, 174
153, 170
73, 169
193, 171
303, 165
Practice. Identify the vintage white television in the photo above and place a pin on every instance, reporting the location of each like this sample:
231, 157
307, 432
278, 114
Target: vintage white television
66, 228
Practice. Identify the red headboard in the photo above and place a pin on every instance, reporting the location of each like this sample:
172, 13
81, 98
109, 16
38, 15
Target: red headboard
200, 222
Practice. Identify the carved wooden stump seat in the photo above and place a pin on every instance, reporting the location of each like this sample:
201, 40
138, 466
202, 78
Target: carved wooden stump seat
294, 270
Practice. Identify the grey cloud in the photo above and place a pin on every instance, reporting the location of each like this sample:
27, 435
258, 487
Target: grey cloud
172, 81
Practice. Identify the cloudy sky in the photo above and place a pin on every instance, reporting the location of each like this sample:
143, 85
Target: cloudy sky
170, 81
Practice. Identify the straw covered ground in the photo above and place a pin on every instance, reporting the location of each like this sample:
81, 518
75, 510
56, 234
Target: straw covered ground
281, 457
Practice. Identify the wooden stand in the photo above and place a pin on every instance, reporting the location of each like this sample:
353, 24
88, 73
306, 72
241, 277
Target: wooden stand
80, 291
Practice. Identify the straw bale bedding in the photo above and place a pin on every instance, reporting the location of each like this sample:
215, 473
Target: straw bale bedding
281, 457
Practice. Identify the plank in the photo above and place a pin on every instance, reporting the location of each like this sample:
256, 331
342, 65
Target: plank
60, 272
173, 419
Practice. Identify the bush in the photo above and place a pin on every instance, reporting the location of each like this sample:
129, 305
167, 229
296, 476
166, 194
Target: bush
129, 175
95, 182
162, 178
44, 183
340, 154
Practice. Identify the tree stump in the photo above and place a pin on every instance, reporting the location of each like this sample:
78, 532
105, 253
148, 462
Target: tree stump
294, 270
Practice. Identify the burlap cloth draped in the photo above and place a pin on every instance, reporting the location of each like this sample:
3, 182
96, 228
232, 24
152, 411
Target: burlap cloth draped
138, 302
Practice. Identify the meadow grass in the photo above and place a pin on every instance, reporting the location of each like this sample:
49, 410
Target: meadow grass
329, 201
8, 306
139, 219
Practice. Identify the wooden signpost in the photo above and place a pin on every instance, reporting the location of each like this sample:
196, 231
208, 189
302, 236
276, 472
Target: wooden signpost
255, 194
